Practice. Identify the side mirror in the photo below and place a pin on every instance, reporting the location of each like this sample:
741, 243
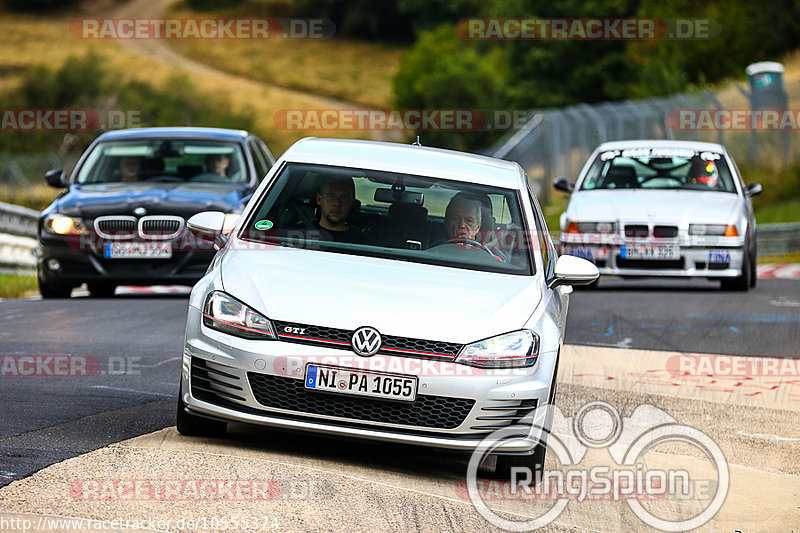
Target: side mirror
56, 178
208, 226
571, 270
754, 189
562, 184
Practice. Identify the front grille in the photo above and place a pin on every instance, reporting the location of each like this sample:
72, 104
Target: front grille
437, 412
120, 227
160, 227
665, 232
638, 231
650, 264
340, 338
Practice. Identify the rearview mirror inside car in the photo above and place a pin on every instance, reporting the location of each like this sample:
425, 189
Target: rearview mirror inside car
56, 178
392, 196
571, 270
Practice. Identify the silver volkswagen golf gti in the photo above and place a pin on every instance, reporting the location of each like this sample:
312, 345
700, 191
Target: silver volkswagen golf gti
381, 291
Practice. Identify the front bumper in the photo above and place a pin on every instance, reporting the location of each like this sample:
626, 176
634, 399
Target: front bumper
697, 257
457, 406
85, 264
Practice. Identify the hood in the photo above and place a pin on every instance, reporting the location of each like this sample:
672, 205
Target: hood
396, 297
638, 205
183, 199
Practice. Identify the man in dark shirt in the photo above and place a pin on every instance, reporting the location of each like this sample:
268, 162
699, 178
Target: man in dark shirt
336, 199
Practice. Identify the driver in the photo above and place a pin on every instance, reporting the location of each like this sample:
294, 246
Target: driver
462, 217
129, 168
462, 220
703, 172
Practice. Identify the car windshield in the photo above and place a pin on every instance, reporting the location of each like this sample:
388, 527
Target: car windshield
394, 216
164, 160
659, 168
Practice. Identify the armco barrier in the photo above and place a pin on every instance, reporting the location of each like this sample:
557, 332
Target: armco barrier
18, 220
778, 239
17, 238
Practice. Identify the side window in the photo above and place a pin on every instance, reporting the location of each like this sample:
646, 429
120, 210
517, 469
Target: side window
258, 159
544, 240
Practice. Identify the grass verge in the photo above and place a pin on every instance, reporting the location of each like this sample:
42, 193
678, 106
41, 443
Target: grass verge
355, 71
16, 286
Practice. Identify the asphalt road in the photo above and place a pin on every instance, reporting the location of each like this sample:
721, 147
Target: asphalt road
126, 352
688, 316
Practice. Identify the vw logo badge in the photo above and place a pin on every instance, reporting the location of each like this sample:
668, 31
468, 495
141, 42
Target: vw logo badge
139, 211
366, 341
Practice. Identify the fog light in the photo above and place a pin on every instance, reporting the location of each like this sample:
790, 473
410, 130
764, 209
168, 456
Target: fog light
53, 264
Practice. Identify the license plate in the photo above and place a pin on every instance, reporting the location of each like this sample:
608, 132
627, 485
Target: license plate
360, 383
666, 252
137, 250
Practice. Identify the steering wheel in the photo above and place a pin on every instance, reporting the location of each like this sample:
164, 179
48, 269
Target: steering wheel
469, 242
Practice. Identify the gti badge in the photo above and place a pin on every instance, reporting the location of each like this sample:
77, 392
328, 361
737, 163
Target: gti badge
366, 341
139, 211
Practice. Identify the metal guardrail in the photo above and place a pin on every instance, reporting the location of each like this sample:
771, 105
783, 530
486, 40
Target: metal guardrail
778, 239
17, 238
18, 220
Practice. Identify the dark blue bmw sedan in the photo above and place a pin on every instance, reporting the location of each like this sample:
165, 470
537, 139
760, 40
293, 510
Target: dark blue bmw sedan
121, 219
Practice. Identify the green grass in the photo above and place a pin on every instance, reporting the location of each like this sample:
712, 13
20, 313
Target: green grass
788, 211
15, 286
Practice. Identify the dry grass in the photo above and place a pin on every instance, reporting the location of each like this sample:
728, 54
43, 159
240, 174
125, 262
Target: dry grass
34, 197
355, 71
40, 40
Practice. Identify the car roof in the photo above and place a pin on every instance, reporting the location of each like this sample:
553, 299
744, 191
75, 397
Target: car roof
406, 158
661, 143
218, 134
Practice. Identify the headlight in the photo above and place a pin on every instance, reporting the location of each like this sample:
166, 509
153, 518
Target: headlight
64, 225
224, 313
516, 349
728, 230
591, 227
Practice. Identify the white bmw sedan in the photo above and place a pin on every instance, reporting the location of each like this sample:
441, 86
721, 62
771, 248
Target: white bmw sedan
380, 291
663, 208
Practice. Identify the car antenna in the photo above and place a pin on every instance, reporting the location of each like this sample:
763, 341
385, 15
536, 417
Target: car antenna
416, 143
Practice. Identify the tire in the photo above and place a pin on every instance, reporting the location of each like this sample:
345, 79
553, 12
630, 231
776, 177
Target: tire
744, 281
753, 269
54, 290
101, 289
534, 461
196, 426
